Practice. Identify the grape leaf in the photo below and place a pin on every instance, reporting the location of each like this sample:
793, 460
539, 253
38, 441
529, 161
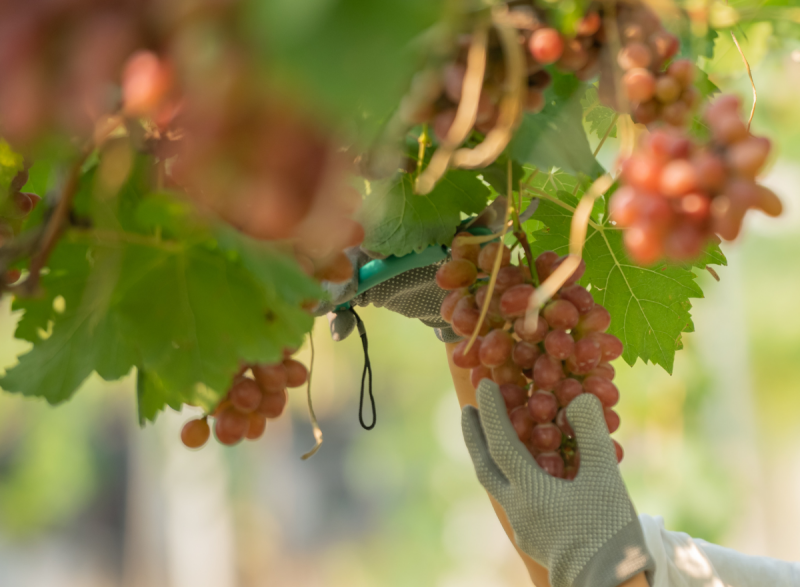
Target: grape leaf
649, 306
555, 136
598, 117
397, 221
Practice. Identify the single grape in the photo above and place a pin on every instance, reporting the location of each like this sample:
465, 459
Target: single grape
729, 129
639, 84
643, 242
612, 420
546, 437
450, 301
710, 172
642, 172
610, 346
567, 390
544, 264
496, 348
272, 404
494, 310
245, 395
589, 24
507, 373
668, 89
296, 373
694, 208
634, 55
558, 344
23, 203
551, 463
522, 422
270, 378
561, 314
678, 178
456, 274
525, 354
256, 425
231, 426
624, 209
603, 389
747, 157
684, 243
603, 370
574, 56
618, 450
478, 374
468, 360
514, 301
543, 407
724, 106
584, 358
508, 277
535, 335
665, 44
488, 255
466, 317
647, 112
595, 320
768, 202
195, 433
513, 395
575, 275
461, 250
546, 45
563, 424
578, 296
547, 372
683, 71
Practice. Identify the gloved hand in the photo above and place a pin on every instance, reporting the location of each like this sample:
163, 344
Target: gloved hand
413, 294
585, 531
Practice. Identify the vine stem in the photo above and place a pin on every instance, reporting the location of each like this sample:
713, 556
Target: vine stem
311, 414
55, 225
497, 262
750, 75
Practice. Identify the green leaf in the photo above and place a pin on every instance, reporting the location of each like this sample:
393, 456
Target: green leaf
555, 137
598, 117
397, 221
649, 306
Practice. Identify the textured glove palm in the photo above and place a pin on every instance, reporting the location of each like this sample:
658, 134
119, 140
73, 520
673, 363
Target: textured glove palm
584, 531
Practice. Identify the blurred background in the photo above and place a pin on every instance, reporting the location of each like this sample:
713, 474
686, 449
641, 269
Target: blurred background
88, 499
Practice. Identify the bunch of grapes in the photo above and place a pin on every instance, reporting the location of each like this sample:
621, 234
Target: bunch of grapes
541, 365
679, 193
250, 401
15, 208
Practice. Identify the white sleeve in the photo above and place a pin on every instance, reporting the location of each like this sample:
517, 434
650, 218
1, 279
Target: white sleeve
683, 561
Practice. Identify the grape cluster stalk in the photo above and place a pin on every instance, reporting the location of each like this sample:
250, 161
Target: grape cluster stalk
249, 403
679, 193
540, 365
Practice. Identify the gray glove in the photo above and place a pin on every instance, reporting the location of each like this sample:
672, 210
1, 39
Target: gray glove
585, 531
413, 294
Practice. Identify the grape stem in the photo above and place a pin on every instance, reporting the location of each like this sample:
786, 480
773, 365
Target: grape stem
750, 75
465, 114
311, 414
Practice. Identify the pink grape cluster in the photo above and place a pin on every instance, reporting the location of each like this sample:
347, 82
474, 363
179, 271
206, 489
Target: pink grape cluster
540, 365
250, 401
678, 193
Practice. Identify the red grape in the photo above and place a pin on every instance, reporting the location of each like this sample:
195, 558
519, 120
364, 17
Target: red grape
231, 426
563, 423
559, 344
508, 277
273, 404
603, 370
514, 301
710, 171
522, 422
551, 463
612, 420
642, 173
456, 274
618, 450
545, 437
610, 346
595, 320
195, 433
513, 395
567, 390
496, 348
245, 395
450, 301
532, 336
603, 389
465, 251
468, 360
543, 407
578, 296
585, 357
257, 423
466, 317
747, 157
506, 373
547, 372
634, 55
296, 373
494, 311
270, 378
575, 275
561, 314
678, 178
544, 265
683, 71
478, 374
668, 89
546, 45
488, 255
525, 354
639, 84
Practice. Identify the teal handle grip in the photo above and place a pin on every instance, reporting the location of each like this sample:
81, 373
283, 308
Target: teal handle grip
380, 270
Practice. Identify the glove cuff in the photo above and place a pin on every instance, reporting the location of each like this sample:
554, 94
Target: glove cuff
619, 559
